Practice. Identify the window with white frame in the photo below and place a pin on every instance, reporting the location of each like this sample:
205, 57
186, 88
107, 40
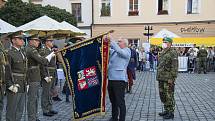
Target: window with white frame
105, 8
192, 6
133, 42
163, 7
76, 11
133, 8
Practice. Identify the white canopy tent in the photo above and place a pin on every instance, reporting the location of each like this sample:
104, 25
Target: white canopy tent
6, 27
67, 26
48, 26
165, 33
43, 23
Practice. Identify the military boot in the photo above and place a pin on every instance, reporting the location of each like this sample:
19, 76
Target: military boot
162, 113
169, 116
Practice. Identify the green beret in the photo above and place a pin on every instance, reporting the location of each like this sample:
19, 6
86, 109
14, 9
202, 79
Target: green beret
167, 39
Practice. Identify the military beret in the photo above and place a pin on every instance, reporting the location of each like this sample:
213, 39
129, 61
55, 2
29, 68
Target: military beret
167, 39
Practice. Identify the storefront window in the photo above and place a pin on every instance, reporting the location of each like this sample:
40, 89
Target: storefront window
134, 42
105, 8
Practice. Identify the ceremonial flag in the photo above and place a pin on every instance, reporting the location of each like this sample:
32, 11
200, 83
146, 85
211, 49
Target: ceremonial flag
85, 65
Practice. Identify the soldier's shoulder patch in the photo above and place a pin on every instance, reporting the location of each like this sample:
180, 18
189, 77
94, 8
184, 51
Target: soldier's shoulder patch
34, 51
7, 50
174, 52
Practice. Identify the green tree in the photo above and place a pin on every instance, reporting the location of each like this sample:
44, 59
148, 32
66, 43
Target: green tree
18, 13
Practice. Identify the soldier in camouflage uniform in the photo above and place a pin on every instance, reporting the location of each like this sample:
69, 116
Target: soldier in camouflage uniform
48, 74
202, 59
3, 62
16, 82
34, 78
166, 76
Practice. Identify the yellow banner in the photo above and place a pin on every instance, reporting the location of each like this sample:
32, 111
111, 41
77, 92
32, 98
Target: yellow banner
207, 41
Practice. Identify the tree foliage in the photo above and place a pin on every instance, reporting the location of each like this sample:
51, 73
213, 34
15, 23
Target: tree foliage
18, 13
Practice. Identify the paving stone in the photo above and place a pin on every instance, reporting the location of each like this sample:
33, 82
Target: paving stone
194, 94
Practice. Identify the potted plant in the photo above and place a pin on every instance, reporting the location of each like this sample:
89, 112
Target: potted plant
133, 13
162, 12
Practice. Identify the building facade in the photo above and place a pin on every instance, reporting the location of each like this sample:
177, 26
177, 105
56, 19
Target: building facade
134, 19
81, 9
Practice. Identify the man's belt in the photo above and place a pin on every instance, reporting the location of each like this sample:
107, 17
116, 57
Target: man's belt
33, 67
51, 68
18, 74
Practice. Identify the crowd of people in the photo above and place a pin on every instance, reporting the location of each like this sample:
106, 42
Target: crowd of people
163, 60
25, 70
198, 58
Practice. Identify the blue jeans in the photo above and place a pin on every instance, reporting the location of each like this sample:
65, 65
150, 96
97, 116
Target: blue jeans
151, 64
155, 64
143, 66
67, 91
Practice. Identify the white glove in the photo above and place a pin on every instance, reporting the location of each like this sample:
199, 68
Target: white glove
49, 57
48, 79
27, 88
14, 88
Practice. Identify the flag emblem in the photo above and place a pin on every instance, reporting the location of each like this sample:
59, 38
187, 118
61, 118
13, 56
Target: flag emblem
87, 78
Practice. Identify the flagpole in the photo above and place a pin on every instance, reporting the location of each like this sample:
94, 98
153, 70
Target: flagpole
111, 31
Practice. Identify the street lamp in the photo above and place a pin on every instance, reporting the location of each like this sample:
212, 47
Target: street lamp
148, 34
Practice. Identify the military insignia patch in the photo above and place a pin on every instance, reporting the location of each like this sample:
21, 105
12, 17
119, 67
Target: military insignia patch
87, 78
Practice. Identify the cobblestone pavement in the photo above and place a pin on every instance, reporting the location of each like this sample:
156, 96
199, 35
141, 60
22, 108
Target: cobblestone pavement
194, 94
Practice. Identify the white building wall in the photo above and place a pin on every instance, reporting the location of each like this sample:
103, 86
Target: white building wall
63, 4
86, 6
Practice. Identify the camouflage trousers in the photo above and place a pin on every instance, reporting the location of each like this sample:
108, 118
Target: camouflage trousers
166, 91
202, 64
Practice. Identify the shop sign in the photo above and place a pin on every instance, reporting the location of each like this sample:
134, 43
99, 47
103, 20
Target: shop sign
182, 45
193, 29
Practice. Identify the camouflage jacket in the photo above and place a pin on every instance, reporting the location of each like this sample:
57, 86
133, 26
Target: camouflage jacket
167, 65
202, 53
3, 62
34, 62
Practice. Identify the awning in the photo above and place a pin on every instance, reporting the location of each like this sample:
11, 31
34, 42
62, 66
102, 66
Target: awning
165, 33
207, 41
